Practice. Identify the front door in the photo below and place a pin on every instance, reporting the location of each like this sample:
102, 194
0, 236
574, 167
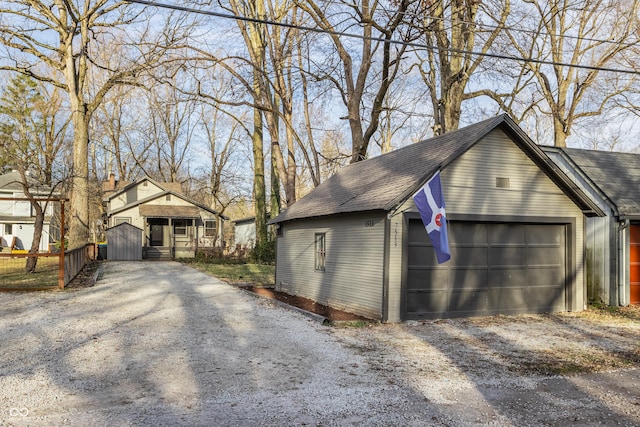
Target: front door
157, 234
634, 264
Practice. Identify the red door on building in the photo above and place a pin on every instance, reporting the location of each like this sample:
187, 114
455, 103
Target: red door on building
634, 264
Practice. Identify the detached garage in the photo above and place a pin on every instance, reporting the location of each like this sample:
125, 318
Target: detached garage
515, 224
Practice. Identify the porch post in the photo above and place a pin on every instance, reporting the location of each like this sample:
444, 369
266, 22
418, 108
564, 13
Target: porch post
171, 239
195, 224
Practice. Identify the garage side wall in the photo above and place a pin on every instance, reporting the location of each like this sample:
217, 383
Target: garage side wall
600, 240
354, 265
495, 178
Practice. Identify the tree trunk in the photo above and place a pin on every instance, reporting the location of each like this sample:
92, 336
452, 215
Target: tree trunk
258, 179
79, 203
37, 236
559, 132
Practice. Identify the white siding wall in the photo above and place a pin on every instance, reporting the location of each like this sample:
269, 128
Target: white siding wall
133, 214
134, 194
353, 277
469, 187
24, 235
22, 208
245, 234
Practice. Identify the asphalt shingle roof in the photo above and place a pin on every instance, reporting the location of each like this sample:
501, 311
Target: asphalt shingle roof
13, 181
616, 174
384, 182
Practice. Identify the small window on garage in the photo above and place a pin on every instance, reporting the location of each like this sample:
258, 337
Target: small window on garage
180, 227
209, 228
320, 251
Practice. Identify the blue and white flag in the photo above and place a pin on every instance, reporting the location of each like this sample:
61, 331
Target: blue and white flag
430, 203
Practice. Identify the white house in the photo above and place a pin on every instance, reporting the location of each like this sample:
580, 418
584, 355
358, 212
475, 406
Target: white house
17, 217
173, 224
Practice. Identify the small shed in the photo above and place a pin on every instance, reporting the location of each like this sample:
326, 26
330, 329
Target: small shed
124, 242
516, 232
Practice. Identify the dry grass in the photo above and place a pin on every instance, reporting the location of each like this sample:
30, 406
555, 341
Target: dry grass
14, 278
599, 339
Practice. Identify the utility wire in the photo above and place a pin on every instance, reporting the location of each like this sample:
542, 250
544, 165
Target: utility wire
495, 27
377, 39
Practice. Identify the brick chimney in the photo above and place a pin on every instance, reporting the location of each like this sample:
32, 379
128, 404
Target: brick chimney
112, 181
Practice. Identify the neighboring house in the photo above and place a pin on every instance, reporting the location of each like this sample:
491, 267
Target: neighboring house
17, 218
612, 242
173, 224
515, 221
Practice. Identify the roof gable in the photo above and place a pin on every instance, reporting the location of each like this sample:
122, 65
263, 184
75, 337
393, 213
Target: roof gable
615, 174
156, 196
165, 186
12, 181
386, 181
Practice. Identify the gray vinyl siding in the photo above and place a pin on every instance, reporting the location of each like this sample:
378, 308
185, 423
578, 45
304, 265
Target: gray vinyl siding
354, 265
124, 242
469, 187
601, 240
395, 265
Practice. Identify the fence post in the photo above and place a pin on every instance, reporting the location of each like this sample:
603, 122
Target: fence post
61, 262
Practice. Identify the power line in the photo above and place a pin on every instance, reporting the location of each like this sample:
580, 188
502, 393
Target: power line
378, 39
497, 27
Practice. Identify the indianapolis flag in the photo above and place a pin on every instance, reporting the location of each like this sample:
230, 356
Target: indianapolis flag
430, 204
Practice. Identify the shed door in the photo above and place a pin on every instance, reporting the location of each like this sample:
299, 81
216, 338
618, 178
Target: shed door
495, 268
634, 264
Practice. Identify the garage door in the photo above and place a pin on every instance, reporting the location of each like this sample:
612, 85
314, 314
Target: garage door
494, 269
634, 265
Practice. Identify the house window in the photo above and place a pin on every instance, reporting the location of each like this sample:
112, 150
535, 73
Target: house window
180, 227
209, 228
8, 229
320, 251
120, 220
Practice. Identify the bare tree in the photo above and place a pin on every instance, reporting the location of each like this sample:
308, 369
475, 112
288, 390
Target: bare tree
455, 46
65, 38
170, 133
31, 143
117, 130
354, 76
578, 39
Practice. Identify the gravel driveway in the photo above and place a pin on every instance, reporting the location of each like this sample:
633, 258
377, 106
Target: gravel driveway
157, 343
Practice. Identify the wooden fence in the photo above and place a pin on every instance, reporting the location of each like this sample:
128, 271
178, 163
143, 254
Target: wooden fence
76, 259
64, 266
